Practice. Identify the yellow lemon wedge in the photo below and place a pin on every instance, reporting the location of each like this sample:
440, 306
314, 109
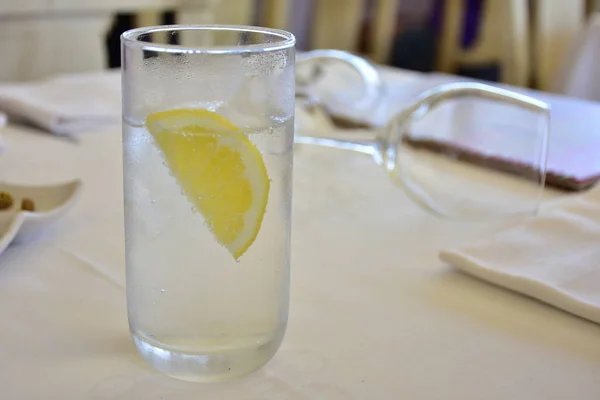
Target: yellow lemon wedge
219, 169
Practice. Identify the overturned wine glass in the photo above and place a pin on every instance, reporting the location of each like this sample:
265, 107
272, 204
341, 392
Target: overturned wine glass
460, 150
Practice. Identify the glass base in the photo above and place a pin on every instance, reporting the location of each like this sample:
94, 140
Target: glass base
202, 360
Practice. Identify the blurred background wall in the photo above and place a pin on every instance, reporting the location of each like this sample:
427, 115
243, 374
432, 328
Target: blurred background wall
520, 42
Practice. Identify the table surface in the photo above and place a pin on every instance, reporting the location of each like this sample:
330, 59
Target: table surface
374, 314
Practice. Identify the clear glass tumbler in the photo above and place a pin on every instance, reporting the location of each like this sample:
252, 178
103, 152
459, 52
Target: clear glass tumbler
208, 145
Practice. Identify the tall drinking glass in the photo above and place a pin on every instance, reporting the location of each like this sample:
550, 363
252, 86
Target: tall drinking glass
208, 144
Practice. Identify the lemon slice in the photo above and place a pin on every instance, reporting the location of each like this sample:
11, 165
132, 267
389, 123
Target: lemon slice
219, 169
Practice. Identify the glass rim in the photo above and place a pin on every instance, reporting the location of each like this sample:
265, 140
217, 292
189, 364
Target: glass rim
130, 38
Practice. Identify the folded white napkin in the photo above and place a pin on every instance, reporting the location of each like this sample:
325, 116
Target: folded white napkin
65, 104
554, 258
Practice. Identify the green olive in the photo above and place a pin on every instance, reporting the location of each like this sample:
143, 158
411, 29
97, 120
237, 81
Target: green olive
6, 201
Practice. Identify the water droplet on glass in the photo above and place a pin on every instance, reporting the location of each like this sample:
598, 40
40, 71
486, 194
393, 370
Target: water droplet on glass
162, 290
152, 201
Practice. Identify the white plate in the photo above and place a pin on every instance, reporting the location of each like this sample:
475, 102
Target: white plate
3, 121
51, 202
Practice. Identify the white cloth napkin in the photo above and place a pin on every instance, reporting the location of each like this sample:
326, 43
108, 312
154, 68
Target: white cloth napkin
554, 258
67, 104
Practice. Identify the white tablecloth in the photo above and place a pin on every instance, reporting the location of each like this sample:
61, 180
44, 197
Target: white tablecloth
374, 314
